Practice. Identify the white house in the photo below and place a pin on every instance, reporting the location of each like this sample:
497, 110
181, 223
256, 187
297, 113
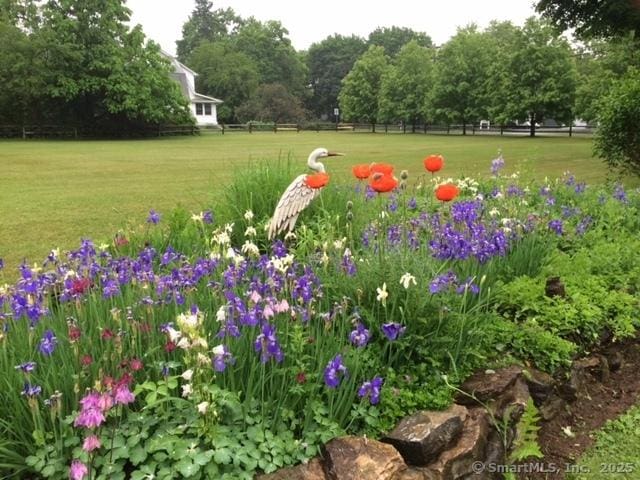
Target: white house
203, 108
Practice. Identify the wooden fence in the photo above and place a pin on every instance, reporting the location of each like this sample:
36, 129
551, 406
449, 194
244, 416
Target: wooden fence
60, 131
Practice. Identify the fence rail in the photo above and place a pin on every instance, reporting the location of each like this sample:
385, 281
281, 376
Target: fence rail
62, 131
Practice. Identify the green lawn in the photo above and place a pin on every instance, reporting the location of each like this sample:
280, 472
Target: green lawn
52, 193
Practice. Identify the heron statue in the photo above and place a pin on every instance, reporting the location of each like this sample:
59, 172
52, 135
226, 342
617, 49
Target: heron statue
300, 193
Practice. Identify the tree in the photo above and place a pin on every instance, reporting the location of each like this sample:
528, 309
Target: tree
618, 138
593, 18
361, 87
329, 62
537, 80
268, 46
101, 73
224, 73
462, 70
272, 103
394, 38
600, 63
206, 25
406, 85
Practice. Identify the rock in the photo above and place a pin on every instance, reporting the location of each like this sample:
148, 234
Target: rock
554, 288
552, 407
486, 386
456, 462
571, 387
615, 360
417, 473
309, 471
357, 458
514, 401
540, 385
494, 451
422, 436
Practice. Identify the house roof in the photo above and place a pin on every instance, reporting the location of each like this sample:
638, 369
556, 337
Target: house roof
180, 75
204, 99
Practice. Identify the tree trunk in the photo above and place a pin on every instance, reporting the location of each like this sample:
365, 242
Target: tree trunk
532, 126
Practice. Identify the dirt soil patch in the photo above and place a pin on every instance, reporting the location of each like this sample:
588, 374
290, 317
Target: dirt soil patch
602, 399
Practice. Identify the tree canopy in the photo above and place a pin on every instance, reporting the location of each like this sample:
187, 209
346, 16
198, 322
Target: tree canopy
392, 39
459, 92
593, 18
78, 62
361, 87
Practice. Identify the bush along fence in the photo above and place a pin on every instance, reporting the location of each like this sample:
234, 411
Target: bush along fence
74, 132
454, 129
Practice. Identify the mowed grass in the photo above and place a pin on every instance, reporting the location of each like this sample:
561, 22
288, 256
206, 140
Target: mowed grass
53, 193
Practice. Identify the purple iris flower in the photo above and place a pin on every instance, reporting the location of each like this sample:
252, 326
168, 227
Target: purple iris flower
469, 286
1, 264
619, 194
154, 217
412, 204
348, 265
360, 336
393, 330
496, 165
442, 282
30, 390
221, 360
267, 344
207, 217
556, 226
48, 343
334, 372
371, 389
26, 367
583, 225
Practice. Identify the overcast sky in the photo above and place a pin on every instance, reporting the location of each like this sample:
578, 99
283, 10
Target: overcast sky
312, 21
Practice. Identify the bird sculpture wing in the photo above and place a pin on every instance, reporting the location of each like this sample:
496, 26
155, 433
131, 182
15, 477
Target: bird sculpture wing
294, 200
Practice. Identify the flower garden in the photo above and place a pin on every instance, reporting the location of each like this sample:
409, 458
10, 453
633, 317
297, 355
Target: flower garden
191, 347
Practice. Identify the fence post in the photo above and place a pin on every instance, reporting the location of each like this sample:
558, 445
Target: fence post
473, 129
297, 128
448, 127
404, 127
386, 128
425, 128
501, 129
24, 133
570, 129
250, 127
275, 128
75, 132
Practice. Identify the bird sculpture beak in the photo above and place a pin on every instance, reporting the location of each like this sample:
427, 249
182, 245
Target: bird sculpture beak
335, 154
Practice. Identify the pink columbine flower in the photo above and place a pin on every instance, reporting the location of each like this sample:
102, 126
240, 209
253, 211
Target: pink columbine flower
105, 402
89, 418
268, 311
123, 395
90, 400
78, 470
91, 443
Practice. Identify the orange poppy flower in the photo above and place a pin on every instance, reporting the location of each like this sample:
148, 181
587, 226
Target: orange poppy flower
383, 168
433, 163
361, 171
316, 180
382, 183
447, 192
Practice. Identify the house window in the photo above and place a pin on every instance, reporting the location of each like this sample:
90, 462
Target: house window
207, 109
198, 109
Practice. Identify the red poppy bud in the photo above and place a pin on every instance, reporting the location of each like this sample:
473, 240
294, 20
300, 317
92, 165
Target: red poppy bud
434, 163
447, 192
86, 360
169, 346
301, 377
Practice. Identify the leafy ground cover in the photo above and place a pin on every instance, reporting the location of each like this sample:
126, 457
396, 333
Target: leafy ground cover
67, 190
615, 452
191, 346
